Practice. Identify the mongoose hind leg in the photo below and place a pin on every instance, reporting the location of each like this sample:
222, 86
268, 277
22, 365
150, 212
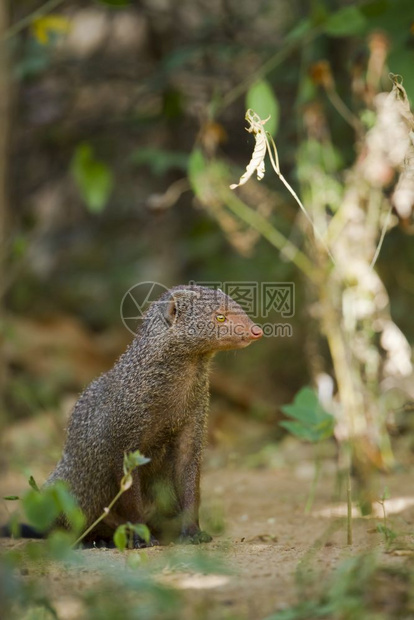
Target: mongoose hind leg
130, 509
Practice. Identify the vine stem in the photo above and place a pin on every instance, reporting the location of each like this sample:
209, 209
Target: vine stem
381, 241
269, 232
276, 168
349, 505
268, 66
343, 110
312, 492
99, 519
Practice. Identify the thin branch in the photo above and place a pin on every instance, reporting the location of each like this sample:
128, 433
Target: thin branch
343, 110
276, 168
381, 241
99, 519
270, 64
26, 21
269, 232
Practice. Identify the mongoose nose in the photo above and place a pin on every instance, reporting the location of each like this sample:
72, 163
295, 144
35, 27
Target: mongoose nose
256, 332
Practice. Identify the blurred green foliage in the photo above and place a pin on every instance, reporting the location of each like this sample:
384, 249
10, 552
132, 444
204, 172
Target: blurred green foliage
356, 589
309, 420
261, 98
41, 507
93, 178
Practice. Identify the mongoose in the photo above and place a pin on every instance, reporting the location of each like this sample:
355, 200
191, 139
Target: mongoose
155, 399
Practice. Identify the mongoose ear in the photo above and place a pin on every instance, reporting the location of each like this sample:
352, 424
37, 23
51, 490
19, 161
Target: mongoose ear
170, 311
171, 306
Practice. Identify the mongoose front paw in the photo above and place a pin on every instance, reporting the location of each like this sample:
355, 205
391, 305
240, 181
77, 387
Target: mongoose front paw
140, 543
98, 543
195, 539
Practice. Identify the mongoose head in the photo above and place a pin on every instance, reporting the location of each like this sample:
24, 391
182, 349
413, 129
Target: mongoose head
202, 320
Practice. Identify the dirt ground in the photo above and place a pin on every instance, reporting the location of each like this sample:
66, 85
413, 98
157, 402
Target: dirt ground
266, 536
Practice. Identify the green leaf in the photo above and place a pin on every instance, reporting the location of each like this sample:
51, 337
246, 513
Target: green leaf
319, 12
375, 8
196, 169
40, 509
385, 494
142, 531
33, 484
132, 460
310, 420
261, 98
402, 62
43, 507
35, 60
305, 406
347, 21
60, 545
120, 537
389, 534
124, 533
299, 31
67, 504
11, 498
14, 525
93, 178
299, 430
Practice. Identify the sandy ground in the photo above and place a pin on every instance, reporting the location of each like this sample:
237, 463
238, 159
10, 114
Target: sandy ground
266, 535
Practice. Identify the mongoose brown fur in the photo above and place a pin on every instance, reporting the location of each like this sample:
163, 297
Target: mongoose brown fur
155, 399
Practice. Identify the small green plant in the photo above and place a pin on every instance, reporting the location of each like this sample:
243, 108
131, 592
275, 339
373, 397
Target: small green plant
124, 535
309, 421
383, 528
132, 460
354, 590
42, 506
93, 177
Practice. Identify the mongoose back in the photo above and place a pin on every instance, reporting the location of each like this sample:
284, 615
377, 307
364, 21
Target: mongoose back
155, 399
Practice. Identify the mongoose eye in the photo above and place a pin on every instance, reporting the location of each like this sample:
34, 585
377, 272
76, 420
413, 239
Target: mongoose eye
220, 318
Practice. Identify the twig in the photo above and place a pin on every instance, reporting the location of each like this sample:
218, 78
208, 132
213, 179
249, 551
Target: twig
349, 505
270, 64
269, 232
381, 241
276, 168
343, 109
26, 21
99, 519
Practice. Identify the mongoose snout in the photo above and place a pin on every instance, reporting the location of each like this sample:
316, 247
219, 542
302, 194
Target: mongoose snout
256, 332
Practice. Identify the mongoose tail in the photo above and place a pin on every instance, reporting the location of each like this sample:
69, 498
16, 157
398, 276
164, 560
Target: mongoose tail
24, 530
155, 399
